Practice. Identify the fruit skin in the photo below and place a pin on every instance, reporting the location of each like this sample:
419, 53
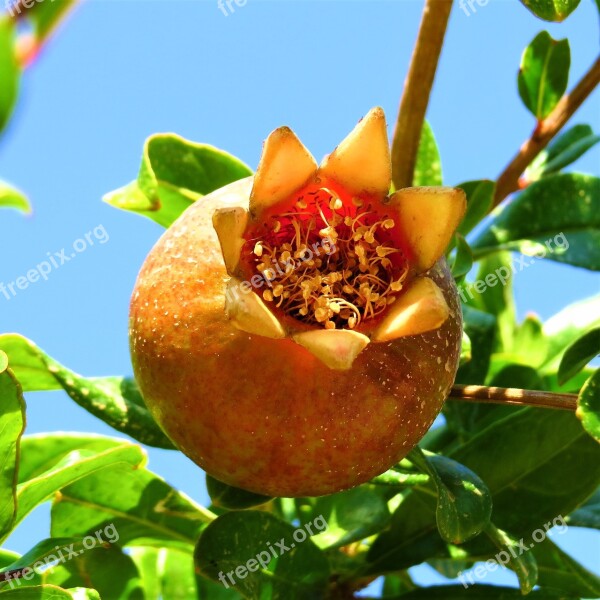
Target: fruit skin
264, 414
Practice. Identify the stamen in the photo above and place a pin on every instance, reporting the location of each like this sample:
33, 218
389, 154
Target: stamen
329, 263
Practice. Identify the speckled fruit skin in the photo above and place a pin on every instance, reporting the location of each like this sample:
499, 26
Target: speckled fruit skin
263, 414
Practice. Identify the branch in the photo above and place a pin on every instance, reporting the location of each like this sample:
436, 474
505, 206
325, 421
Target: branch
513, 396
417, 88
546, 129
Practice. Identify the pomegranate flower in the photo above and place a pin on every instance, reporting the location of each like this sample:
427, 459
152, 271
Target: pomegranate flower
326, 256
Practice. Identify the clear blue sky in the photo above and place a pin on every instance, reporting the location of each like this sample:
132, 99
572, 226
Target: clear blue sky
120, 71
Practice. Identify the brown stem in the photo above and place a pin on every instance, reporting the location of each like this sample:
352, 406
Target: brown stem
508, 181
514, 396
417, 88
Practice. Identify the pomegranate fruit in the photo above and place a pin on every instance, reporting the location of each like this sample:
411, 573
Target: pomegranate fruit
297, 332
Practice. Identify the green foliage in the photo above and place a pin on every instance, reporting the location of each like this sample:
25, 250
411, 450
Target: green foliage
543, 222
115, 400
428, 168
10, 72
544, 74
551, 10
484, 481
12, 198
174, 174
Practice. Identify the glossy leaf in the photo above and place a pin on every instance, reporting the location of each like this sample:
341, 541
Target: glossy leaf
557, 218
115, 400
549, 466
563, 151
492, 292
168, 573
557, 570
588, 514
522, 563
566, 326
76, 465
10, 197
347, 516
464, 503
428, 167
544, 74
48, 592
106, 569
579, 354
45, 16
480, 196
480, 327
10, 71
146, 509
174, 174
551, 10
232, 498
588, 405
12, 425
236, 541
463, 259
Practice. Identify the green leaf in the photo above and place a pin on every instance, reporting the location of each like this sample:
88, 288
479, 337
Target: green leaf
146, 510
428, 167
466, 353
10, 197
48, 592
544, 74
588, 405
557, 570
44, 553
565, 150
168, 573
12, 425
232, 498
480, 196
238, 544
115, 400
76, 465
464, 503
530, 342
579, 354
541, 461
463, 259
565, 327
42, 452
557, 218
46, 15
174, 174
480, 327
347, 516
588, 514
10, 72
107, 569
551, 10
522, 563
492, 292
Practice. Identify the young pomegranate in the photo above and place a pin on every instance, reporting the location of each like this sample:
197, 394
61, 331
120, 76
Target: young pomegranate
296, 333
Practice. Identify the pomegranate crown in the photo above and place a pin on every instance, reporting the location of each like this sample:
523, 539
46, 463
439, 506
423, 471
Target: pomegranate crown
327, 256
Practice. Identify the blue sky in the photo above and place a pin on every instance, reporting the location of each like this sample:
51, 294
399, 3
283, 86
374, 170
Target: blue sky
120, 71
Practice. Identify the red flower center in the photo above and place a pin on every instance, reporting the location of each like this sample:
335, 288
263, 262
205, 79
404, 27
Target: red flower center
327, 257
